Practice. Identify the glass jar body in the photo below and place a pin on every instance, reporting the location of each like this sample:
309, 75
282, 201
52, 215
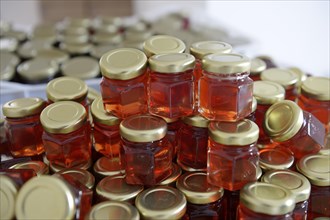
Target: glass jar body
198, 72
172, 135
243, 213
263, 139
300, 211
291, 93
319, 202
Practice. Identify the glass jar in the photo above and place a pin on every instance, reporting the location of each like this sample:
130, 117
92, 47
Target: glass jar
106, 130
228, 73
161, 202
160, 44
173, 127
171, 85
20, 176
8, 63
257, 67
82, 67
278, 158
265, 201
39, 167
252, 116
146, 153
298, 130
317, 170
231, 200
124, 84
297, 184
8, 192
193, 138
203, 199
232, 154
104, 167
23, 126
286, 78
67, 134
315, 98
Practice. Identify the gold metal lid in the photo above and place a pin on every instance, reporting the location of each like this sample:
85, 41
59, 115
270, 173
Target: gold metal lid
254, 104
106, 38
293, 181
23, 107
301, 74
45, 197
98, 50
226, 63
108, 167
81, 67
202, 48
197, 190
30, 48
159, 44
196, 121
92, 94
63, 117
72, 30
240, 133
78, 22
38, 69
8, 44
283, 120
82, 175
123, 63
267, 92
113, 210
81, 48
116, 188
189, 169
18, 35
258, 172
118, 21
133, 44
274, 158
257, 66
8, 192
106, 29
285, 78
267, 198
136, 34
56, 168
8, 63
171, 62
101, 116
74, 39
316, 168
53, 54
176, 172
39, 167
316, 88
162, 202
143, 128
66, 88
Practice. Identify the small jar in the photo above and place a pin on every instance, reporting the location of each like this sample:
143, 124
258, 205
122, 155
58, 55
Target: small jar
83, 176
160, 44
146, 153
39, 167
106, 130
8, 63
162, 202
278, 158
193, 138
53, 54
265, 201
228, 73
23, 126
67, 134
171, 85
124, 84
297, 184
173, 127
171, 180
8, 192
317, 170
104, 167
315, 98
203, 199
286, 78
257, 67
232, 154
298, 130
266, 94
81, 67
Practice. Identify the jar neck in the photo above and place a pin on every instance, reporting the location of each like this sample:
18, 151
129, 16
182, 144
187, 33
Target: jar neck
226, 76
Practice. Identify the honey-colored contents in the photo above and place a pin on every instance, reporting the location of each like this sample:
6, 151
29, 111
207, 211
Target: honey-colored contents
231, 200
172, 135
19, 176
319, 202
244, 213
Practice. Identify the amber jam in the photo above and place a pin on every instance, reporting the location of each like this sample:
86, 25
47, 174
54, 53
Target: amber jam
106, 130
193, 138
257, 66
173, 127
300, 131
67, 135
171, 85
146, 153
124, 82
232, 155
231, 200
315, 98
23, 128
265, 201
228, 73
204, 201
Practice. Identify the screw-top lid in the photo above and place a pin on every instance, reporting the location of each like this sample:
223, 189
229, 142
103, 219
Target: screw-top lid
8, 192
81, 67
159, 44
71, 30
254, 104
202, 48
81, 175
133, 44
116, 188
197, 190
162, 202
8, 63
66, 88
76, 48
23, 107
136, 34
257, 66
56, 55
267, 92
226, 63
107, 38
63, 117
39, 167
143, 128
293, 181
17, 35
98, 50
101, 116
316, 88
38, 69
176, 172
316, 168
113, 210
301, 74
283, 120
123, 63
267, 198
196, 121
171, 62
57, 168
78, 22
30, 48
106, 29
188, 168
285, 78
45, 197
275, 158
240, 133
108, 167
74, 38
